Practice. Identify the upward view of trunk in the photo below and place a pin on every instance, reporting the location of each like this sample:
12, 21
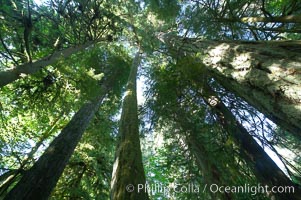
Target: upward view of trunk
197, 149
266, 74
128, 170
11, 177
18, 72
209, 170
39, 181
263, 166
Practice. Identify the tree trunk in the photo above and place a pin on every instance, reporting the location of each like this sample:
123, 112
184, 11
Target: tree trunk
13, 175
19, 71
209, 170
38, 182
266, 74
8, 179
263, 166
128, 172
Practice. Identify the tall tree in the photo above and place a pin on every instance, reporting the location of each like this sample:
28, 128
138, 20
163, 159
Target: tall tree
56, 156
265, 74
12, 176
88, 173
183, 118
185, 77
264, 167
128, 170
47, 170
211, 173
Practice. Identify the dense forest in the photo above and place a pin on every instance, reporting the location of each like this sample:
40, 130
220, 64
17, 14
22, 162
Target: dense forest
150, 99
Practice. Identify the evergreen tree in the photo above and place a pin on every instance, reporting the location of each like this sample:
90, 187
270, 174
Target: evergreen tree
128, 170
222, 98
47, 170
265, 74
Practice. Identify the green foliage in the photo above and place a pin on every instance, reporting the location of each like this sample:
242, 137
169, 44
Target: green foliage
179, 113
280, 7
88, 173
43, 107
284, 140
169, 166
48, 99
35, 108
164, 9
221, 19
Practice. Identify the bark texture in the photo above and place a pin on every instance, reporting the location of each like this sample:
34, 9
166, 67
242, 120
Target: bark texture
128, 169
266, 74
210, 171
14, 175
39, 181
20, 71
264, 167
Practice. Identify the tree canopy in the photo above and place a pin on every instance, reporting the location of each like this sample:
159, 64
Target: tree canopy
150, 99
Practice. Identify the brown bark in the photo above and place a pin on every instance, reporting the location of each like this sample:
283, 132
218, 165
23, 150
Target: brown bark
128, 169
14, 175
266, 74
197, 149
38, 181
19, 71
263, 166
209, 170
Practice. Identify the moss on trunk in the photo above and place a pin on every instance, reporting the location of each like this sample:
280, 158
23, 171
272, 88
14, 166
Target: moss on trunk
128, 170
39, 181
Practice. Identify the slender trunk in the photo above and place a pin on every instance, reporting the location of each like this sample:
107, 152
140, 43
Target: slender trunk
38, 181
264, 167
19, 71
7, 181
209, 170
266, 74
281, 19
197, 149
128, 172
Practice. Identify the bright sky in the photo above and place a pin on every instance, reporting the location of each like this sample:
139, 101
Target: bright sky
39, 2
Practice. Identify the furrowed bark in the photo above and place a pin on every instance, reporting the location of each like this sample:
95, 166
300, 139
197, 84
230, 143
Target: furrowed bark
198, 151
15, 174
128, 170
266, 74
39, 181
209, 170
